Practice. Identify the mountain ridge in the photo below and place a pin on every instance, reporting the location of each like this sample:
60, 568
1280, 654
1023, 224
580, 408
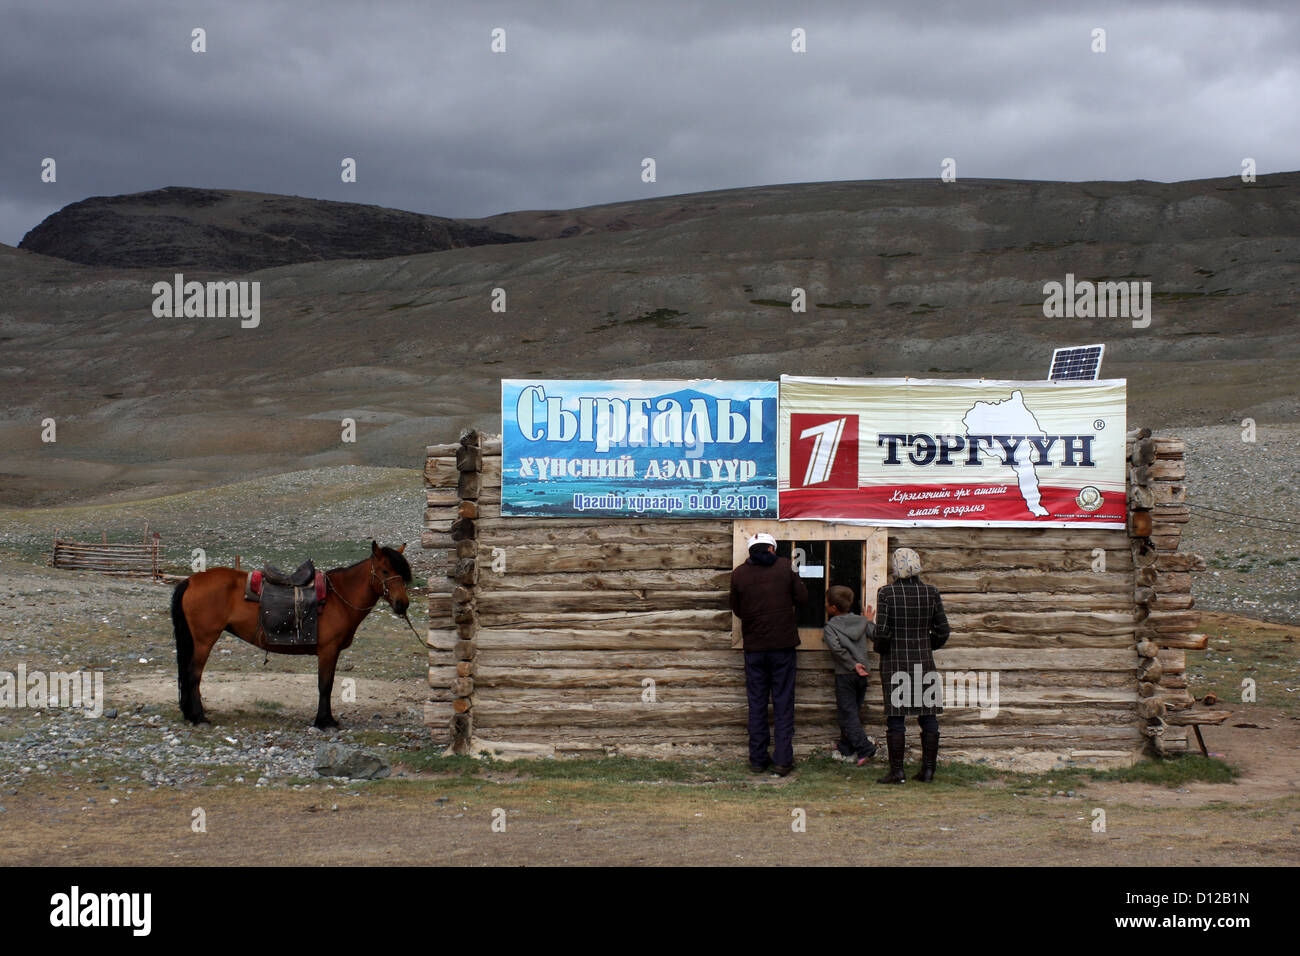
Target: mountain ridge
233, 230
902, 278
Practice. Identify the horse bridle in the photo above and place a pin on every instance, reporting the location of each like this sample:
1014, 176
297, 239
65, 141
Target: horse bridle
383, 583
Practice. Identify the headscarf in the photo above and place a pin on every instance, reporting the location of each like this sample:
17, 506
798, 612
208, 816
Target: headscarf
905, 563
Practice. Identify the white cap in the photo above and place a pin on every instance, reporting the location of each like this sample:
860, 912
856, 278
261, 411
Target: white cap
762, 538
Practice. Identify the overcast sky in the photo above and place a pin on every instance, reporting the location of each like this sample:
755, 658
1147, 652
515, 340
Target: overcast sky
438, 123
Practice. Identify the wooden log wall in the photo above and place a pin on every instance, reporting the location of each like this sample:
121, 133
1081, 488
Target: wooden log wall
569, 635
1166, 621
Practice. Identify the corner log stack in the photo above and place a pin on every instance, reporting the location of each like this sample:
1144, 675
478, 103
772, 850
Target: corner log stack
1162, 593
571, 635
454, 478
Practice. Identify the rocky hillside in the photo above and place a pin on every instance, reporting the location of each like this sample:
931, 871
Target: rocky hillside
228, 231
902, 278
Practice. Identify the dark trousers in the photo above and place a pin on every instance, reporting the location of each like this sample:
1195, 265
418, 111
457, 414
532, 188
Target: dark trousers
771, 674
926, 722
850, 689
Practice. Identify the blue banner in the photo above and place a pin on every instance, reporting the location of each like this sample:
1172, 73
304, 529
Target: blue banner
633, 449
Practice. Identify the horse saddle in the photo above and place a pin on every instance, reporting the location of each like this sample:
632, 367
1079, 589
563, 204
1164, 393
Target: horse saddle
287, 603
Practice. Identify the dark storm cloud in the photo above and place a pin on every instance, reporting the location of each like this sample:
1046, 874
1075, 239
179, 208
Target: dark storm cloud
438, 123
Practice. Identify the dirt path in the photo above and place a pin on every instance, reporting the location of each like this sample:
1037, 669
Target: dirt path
421, 818
403, 822
1263, 743
296, 692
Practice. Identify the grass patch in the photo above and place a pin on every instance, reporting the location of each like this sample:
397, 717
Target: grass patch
814, 777
659, 318
1179, 296
1173, 771
844, 304
435, 760
1241, 650
774, 303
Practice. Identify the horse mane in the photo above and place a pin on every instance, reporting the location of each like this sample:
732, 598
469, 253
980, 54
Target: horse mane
395, 558
399, 563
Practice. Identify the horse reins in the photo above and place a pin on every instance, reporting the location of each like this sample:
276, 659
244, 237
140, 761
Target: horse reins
374, 575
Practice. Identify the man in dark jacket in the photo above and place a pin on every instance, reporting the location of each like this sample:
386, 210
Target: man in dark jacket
764, 591
910, 626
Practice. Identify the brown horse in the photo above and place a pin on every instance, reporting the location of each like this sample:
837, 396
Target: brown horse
210, 602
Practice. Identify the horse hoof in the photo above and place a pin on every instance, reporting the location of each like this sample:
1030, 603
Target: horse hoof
330, 724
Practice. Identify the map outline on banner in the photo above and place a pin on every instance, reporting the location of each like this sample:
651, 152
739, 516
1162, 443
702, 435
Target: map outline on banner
996, 435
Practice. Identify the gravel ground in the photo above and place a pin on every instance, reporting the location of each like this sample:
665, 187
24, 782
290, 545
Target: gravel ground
80, 621
1252, 565
147, 750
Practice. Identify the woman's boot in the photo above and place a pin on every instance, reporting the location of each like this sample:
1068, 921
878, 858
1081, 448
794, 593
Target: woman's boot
894, 739
929, 754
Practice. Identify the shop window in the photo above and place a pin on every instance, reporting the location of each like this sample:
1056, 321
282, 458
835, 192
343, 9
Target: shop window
825, 555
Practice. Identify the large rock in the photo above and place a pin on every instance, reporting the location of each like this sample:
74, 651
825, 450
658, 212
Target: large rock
340, 760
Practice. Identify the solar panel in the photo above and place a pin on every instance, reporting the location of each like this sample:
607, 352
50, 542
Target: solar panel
1079, 363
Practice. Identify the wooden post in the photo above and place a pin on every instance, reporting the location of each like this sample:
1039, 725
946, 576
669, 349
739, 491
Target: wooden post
1150, 709
1161, 586
464, 609
1196, 729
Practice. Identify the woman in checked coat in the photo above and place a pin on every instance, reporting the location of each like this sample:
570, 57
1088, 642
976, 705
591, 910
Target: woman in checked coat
910, 625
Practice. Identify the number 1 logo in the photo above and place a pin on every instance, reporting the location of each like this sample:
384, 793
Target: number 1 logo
826, 441
823, 451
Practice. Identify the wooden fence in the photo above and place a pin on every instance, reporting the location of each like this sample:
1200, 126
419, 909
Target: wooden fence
131, 560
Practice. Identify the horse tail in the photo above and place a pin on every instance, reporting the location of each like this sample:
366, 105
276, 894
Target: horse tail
184, 639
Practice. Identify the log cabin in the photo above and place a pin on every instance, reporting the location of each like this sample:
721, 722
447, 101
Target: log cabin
554, 636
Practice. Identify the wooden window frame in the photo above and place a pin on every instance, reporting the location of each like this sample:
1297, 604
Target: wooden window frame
875, 544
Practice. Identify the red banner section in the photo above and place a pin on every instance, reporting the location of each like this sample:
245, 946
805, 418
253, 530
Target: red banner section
823, 450
956, 504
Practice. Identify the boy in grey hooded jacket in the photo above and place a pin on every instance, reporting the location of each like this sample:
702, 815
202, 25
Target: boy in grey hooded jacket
846, 637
